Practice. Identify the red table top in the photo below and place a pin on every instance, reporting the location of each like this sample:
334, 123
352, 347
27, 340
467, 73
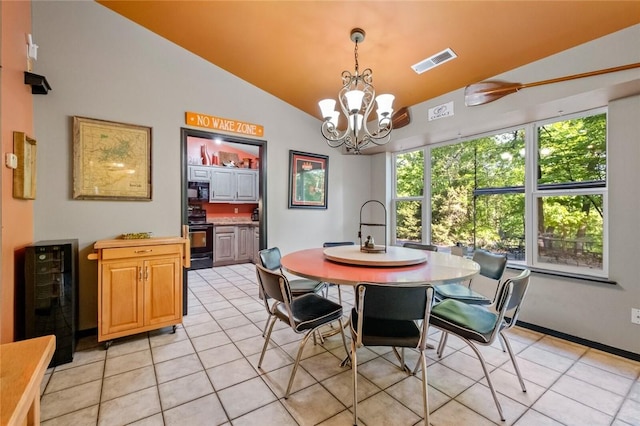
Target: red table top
440, 268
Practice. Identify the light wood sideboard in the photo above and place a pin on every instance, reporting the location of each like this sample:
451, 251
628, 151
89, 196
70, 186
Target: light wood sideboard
139, 285
22, 368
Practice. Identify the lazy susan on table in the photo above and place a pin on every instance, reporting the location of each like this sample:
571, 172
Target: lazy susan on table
395, 256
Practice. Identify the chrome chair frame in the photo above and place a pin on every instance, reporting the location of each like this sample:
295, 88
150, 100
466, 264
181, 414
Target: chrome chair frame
336, 244
304, 314
492, 266
270, 259
455, 317
395, 316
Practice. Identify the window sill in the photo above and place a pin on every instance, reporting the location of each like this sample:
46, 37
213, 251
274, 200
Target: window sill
580, 277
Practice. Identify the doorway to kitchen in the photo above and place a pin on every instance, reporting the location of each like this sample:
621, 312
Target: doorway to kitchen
224, 179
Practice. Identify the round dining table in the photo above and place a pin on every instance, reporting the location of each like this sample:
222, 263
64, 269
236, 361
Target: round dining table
435, 268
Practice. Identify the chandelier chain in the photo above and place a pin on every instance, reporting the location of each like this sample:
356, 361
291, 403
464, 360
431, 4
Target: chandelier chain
355, 55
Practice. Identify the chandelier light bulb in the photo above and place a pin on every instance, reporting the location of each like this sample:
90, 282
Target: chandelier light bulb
334, 119
354, 100
327, 107
384, 103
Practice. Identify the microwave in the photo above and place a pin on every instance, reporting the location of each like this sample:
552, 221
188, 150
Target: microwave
198, 191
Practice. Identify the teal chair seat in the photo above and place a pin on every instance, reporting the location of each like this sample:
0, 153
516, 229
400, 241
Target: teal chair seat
483, 325
471, 321
462, 293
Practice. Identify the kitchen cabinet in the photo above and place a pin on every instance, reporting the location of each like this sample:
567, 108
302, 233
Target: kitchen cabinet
256, 243
235, 244
139, 285
244, 250
224, 251
199, 173
223, 185
246, 185
231, 185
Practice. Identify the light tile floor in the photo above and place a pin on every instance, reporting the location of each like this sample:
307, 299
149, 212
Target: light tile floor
206, 374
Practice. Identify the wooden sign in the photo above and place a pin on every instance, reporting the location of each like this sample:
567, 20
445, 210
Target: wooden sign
225, 124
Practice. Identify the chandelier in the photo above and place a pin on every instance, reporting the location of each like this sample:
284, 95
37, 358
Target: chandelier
356, 101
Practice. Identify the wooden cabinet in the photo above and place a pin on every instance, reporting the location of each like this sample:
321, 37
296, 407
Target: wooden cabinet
235, 244
256, 243
233, 185
227, 185
199, 173
224, 250
223, 185
139, 285
246, 185
244, 250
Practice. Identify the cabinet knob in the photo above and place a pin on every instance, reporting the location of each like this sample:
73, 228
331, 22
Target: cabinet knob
143, 251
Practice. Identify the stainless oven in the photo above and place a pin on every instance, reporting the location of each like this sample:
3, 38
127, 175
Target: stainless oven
201, 239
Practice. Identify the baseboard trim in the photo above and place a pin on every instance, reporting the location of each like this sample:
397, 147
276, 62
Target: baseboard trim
595, 345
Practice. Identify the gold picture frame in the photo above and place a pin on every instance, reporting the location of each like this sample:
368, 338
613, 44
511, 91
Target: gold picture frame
24, 175
111, 161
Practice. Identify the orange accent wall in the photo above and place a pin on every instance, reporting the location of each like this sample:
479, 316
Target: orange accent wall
194, 148
16, 114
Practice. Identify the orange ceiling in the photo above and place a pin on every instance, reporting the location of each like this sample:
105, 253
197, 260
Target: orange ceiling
296, 50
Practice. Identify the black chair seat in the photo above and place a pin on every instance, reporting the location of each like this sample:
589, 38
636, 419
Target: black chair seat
309, 311
387, 332
460, 292
469, 321
304, 286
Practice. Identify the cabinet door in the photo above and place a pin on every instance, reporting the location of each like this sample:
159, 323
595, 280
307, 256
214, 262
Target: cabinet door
199, 173
245, 243
246, 185
223, 185
256, 243
122, 297
163, 294
225, 247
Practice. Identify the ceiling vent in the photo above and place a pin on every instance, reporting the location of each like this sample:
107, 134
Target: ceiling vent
433, 61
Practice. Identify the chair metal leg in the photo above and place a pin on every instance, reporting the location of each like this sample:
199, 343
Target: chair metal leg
486, 375
513, 361
400, 358
295, 365
344, 344
442, 344
354, 367
500, 338
425, 387
270, 323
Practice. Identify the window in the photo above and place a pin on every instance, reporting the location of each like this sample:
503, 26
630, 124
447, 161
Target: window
409, 196
570, 194
547, 210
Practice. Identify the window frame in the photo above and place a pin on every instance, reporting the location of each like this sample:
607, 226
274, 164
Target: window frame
532, 193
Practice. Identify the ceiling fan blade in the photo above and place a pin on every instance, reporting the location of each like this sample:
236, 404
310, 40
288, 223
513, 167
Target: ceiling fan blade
400, 118
489, 91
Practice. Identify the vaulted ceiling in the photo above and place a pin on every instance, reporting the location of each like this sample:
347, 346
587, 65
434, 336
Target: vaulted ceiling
296, 50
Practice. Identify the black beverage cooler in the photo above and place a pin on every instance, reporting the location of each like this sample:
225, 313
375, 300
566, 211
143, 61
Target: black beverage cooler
51, 295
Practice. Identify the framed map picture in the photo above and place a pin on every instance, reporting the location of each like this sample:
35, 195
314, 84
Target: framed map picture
308, 180
111, 161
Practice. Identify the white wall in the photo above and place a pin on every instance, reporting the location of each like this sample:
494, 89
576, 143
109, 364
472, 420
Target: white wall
103, 66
